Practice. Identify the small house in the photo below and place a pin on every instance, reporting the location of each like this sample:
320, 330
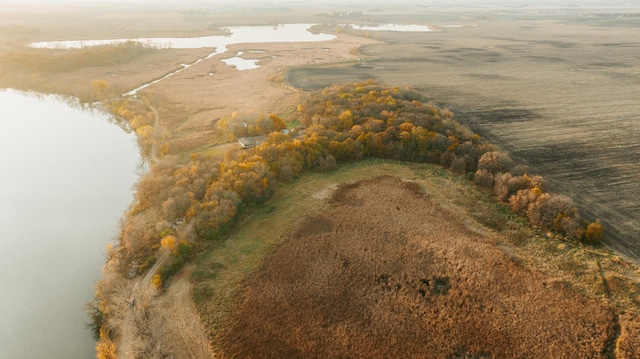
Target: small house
248, 142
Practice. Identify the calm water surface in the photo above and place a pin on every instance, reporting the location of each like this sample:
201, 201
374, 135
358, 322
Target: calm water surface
66, 179
236, 35
395, 27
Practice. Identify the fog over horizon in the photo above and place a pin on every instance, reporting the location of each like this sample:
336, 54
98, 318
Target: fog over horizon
438, 3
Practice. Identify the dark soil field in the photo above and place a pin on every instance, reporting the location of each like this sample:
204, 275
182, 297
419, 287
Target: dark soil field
386, 272
555, 87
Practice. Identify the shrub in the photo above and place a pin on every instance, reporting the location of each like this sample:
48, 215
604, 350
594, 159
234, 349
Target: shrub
495, 162
484, 178
594, 232
548, 208
522, 200
326, 163
507, 185
460, 164
156, 280
536, 182
569, 224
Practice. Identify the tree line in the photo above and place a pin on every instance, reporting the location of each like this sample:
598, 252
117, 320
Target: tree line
181, 202
51, 61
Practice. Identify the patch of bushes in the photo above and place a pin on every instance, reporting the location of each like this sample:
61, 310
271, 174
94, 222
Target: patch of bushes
180, 254
526, 196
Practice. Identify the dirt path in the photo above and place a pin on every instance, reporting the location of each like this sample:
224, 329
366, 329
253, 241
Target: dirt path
176, 324
135, 321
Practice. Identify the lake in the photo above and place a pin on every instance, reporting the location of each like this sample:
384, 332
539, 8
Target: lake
394, 27
67, 178
235, 35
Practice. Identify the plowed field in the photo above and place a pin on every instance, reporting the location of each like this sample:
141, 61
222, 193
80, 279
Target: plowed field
558, 90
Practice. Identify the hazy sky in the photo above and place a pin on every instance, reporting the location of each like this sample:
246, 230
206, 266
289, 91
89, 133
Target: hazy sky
346, 2
442, 3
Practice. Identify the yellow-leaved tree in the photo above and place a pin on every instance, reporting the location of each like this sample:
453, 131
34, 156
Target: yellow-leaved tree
594, 232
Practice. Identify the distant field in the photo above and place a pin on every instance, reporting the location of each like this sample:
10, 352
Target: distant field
557, 89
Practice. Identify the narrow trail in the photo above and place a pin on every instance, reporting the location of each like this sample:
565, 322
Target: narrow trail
134, 323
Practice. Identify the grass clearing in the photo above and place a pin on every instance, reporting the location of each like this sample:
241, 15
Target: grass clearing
223, 267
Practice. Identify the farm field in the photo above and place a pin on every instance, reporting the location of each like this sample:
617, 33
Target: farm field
558, 89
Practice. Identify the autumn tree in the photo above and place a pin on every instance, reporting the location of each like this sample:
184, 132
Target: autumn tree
495, 162
594, 232
105, 348
284, 155
277, 123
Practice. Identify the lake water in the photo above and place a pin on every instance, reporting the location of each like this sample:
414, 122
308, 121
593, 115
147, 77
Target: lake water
241, 63
236, 35
394, 27
66, 179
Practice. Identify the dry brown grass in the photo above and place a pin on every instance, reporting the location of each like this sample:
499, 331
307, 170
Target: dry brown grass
175, 324
629, 344
192, 101
386, 272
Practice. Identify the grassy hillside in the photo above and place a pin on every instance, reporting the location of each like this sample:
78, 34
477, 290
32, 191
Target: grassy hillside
269, 239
